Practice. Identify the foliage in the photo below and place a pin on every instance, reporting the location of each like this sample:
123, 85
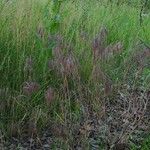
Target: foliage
60, 59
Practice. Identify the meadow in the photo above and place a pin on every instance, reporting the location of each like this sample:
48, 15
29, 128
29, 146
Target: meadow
74, 74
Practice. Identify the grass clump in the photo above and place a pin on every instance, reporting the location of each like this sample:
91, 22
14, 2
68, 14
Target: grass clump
63, 66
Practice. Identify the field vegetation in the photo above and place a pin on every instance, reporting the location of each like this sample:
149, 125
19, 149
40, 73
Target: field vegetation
74, 74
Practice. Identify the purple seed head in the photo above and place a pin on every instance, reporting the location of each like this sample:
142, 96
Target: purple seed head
57, 52
30, 87
68, 65
49, 95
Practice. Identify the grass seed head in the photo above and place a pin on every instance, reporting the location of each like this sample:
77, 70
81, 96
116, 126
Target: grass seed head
57, 52
49, 95
30, 88
99, 43
68, 65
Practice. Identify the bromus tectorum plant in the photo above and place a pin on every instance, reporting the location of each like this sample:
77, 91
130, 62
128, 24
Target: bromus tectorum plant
73, 74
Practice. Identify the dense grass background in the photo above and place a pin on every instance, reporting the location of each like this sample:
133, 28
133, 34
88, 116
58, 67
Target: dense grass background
20, 22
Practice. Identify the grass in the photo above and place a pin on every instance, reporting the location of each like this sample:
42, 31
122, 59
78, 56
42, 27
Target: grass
28, 29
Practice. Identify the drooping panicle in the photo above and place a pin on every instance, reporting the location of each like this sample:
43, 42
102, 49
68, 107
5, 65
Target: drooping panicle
30, 88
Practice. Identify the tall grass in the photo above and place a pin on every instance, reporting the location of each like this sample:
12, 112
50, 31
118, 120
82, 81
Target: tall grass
30, 29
